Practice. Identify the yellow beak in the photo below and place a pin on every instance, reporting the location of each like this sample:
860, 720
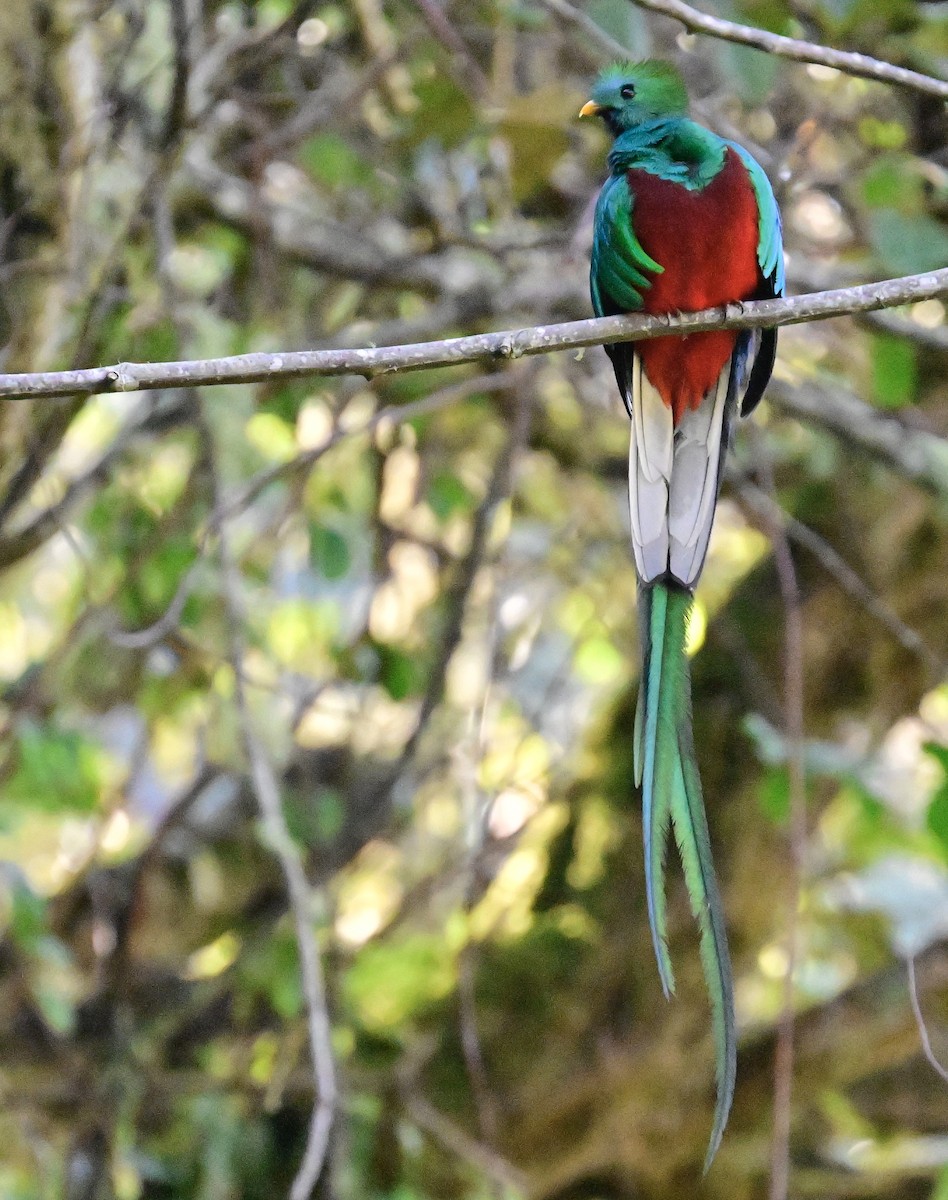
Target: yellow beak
590, 108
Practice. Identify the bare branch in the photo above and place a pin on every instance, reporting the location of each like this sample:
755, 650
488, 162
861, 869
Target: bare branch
453, 1138
765, 506
920, 1022
785, 47
507, 344
267, 792
793, 718
917, 455
143, 639
320, 244
177, 114
927, 337
396, 413
452, 41
582, 20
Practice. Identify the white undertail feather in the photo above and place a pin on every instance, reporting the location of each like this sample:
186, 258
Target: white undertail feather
673, 478
694, 482
651, 456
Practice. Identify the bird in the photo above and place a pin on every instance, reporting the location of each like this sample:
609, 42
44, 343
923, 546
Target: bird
687, 220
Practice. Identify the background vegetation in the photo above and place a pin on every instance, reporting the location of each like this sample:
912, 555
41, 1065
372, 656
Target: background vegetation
413, 601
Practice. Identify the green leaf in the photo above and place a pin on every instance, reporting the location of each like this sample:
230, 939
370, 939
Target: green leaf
937, 816
391, 981
333, 162
444, 112
330, 814
937, 819
447, 495
906, 245
271, 968
57, 1007
400, 674
27, 917
892, 182
160, 576
774, 795
894, 371
57, 771
598, 661
329, 551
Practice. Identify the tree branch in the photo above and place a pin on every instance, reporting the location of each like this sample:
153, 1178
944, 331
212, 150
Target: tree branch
793, 720
267, 792
916, 454
507, 344
785, 47
765, 507
582, 20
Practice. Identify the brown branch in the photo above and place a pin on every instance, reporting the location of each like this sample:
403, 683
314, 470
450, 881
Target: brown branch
927, 337
765, 506
582, 20
442, 29
919, 1016
848, 61
267, 792
793, 718
461, 1144
177, 114
917, 455
507, 344
397, 414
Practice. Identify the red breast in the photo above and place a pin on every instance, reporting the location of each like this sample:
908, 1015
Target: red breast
707, 242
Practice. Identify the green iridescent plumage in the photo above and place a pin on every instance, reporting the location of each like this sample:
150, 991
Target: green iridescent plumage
675, 462
667, 771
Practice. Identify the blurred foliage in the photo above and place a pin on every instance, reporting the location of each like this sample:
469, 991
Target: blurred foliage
437, 606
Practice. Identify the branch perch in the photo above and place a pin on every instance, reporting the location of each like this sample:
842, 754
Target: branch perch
848, 61
507, 344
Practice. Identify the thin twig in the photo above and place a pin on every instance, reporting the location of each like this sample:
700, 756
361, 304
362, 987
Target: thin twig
847, 61
507, 344
916, 454
920, 1022
576, 16
482, 1157
928, 336
151, 635
448, 36
793, 708
849, 580
471, 1048
457, 597
177, 114
267, 792
397, 414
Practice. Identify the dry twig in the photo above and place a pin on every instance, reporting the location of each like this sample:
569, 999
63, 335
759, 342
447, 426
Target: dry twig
793, 718
919, 1016
267, 792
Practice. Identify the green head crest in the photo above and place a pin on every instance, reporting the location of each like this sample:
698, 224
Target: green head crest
628, 94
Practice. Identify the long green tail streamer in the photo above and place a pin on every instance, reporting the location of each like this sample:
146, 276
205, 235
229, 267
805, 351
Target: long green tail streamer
666, 767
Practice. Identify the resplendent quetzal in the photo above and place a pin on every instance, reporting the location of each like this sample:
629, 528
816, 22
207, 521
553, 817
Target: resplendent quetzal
685, 221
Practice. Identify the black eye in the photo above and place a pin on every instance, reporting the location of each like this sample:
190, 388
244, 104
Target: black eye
627, 91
